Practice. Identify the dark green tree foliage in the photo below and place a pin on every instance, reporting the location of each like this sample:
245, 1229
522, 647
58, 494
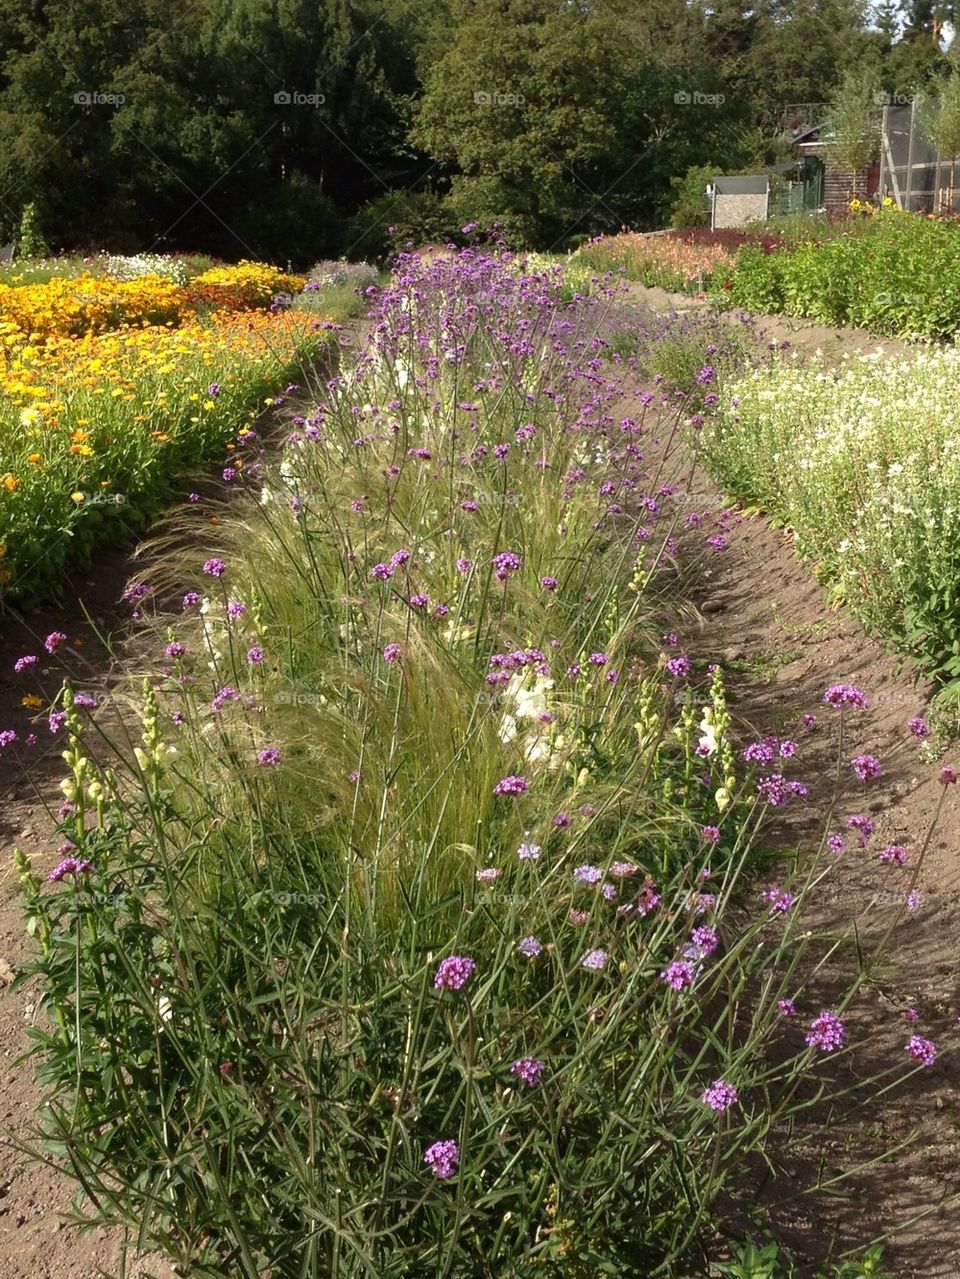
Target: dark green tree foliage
201, 152
561, 119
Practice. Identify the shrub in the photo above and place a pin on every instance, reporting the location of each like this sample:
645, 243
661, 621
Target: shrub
893, 273
691, 206
394, 219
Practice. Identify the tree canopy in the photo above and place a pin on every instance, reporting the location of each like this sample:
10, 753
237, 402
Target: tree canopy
282, 128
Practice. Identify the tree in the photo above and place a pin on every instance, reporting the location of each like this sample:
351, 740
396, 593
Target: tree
938, 112
522, 101
851, 128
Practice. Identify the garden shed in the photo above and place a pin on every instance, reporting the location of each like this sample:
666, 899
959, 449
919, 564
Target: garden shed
837, 185
737, 200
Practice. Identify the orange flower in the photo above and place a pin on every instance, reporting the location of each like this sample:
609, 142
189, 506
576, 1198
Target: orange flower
10, 483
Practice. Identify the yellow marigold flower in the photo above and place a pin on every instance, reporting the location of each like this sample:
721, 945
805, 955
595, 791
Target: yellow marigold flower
78, 497
35, 458
10, 482
32, 700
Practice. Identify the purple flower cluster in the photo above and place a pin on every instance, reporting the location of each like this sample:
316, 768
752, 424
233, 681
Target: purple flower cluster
827, 1032
69, 866
866, 767
512, 785
442, 1158
838, 695
505, 563
921, 1050
720, 1096
678, 974
454, 972
528, 1070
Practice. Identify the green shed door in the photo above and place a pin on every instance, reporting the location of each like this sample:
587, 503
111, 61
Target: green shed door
813, 183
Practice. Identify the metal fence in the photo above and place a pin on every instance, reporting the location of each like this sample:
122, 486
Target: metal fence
911, 171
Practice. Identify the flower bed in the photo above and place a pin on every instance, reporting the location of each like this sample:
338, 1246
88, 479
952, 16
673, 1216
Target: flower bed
862, 464
667, 261
93, 430
416, 933
87, 303
891, 272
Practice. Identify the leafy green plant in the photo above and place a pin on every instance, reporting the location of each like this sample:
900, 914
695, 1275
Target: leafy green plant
30, 239
890, 272
753, 1261
392, 220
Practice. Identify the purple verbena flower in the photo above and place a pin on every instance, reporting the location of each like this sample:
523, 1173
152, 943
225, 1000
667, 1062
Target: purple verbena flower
720, 1096
678, 974
838, 695
69, 866
780, 902
827, 1032
527, 1069
866, 767
442, 1159
511, 786
922, 1050
454, 972
705, 939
